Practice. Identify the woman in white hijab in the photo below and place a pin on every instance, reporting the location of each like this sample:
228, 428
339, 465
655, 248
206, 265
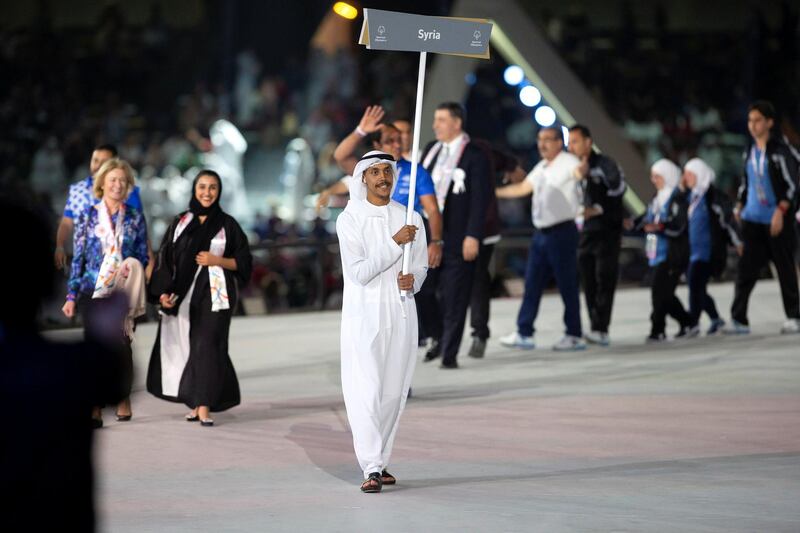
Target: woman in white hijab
710, 230
667, 247
379, 322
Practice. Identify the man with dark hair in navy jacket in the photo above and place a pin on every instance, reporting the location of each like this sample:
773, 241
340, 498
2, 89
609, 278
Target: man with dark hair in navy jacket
766, 197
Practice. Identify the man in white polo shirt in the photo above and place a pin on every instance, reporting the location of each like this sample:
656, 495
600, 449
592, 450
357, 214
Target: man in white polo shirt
554, 247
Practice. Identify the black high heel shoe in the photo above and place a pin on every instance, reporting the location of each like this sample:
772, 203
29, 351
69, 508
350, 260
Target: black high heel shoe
123, 418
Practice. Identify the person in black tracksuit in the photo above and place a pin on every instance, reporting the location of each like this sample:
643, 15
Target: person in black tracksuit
766, 200
601, 238
711, 229
667, 248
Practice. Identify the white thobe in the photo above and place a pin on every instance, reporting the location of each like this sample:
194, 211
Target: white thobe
379, 327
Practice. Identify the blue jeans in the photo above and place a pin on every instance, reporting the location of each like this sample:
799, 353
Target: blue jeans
553, 252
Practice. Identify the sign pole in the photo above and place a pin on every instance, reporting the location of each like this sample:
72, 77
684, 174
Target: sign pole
389, 30
412, 186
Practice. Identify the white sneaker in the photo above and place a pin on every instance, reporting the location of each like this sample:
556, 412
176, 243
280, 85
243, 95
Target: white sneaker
791, 326
569, 343
515, 340
597, 337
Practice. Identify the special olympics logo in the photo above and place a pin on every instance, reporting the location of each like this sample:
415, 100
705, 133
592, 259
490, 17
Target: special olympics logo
476, 40
381, 37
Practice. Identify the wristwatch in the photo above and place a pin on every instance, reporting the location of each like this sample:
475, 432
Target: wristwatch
439, 242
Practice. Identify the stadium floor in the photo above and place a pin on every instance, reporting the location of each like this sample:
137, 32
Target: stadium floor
700, 435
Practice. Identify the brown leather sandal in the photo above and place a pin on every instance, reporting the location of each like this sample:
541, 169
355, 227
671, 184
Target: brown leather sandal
387, 478
373, 483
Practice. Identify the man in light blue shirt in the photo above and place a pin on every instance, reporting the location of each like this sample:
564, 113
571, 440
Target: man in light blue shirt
387, 138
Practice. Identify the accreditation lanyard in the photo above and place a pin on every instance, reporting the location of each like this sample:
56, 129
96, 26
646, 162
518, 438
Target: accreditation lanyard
758, 169
651, 242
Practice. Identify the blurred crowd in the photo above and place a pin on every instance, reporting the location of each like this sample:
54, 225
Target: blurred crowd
128, 84
681, 94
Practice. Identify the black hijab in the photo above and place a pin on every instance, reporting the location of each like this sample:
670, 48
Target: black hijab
196, 237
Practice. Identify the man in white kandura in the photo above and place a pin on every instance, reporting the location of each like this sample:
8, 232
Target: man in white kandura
379, 323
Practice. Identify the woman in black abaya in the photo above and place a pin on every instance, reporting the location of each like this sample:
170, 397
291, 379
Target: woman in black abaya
203, 263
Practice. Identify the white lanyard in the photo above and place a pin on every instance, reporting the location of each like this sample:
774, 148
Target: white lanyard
758, 168
758, 165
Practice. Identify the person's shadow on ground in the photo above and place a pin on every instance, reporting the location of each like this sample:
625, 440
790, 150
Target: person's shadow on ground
328, 448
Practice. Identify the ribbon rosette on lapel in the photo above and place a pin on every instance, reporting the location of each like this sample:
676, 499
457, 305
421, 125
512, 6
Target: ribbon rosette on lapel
458, 181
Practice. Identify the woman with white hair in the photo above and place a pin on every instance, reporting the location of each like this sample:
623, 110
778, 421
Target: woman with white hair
667, 247
710, 231
110, 245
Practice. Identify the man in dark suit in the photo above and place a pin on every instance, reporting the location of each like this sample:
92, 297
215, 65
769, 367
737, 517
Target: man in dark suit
461, 176
503, 167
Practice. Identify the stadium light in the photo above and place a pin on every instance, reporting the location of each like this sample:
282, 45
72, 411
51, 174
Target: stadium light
343, 9
545, 116
530, 96
513, 75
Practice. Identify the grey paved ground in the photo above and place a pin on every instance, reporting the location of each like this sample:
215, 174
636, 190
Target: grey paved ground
702, 435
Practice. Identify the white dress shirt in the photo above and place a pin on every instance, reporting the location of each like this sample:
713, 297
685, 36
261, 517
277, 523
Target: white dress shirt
446, 162
556, 191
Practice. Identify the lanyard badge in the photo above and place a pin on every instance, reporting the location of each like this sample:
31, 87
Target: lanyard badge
758, 169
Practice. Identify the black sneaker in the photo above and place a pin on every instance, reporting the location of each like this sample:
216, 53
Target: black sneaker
688, 332
716, 326
433, 352
655, 338
478, 348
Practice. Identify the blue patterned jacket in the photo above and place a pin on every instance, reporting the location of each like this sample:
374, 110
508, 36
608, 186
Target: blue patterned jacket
88, 250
